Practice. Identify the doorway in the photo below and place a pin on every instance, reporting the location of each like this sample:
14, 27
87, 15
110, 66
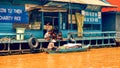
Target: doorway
52, 18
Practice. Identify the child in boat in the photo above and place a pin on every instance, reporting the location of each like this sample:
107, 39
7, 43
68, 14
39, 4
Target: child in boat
59, 36
47, 35
51, 45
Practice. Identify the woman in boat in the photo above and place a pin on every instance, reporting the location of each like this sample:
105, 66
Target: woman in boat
53, 34
48, 26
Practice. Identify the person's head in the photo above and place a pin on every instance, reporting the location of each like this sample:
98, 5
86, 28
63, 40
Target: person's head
48, 23
60, 32
53, 34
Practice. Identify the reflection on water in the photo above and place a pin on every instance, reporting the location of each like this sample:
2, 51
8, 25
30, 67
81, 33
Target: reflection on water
95, 58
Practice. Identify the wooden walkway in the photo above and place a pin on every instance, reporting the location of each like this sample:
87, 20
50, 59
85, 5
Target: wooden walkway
95, 39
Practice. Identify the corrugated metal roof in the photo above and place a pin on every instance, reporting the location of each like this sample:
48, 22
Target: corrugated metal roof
96, 2
72, 1
91, 2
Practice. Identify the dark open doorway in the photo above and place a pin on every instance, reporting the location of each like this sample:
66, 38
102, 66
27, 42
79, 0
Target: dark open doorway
52, 18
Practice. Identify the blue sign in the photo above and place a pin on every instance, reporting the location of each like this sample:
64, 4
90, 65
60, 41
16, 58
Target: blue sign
13, 14
92, 17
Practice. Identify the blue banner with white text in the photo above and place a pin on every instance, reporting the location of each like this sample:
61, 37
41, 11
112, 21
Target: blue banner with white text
13, 14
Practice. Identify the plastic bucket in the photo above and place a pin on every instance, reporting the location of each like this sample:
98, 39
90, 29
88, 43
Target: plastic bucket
20, 33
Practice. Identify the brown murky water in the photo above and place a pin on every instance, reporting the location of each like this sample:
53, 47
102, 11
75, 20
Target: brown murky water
95, 58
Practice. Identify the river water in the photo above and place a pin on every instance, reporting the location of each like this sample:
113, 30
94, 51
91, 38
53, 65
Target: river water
95, 58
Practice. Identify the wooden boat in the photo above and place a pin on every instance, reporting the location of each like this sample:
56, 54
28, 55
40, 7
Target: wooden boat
76, 48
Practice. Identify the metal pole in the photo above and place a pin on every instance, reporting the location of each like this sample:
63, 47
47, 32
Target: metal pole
70, 12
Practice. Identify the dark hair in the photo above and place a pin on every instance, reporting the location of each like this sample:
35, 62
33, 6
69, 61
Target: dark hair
48, 23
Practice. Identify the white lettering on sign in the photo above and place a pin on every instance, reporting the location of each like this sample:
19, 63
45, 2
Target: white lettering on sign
96, 19
96, 14
10, 10
3, 10
92, 16
13, 14
6, 18
17, 18
18, 11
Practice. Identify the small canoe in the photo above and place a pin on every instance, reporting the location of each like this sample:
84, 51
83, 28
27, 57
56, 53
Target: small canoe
77, 48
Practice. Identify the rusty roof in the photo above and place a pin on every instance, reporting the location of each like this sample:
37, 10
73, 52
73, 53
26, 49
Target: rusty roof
114, 2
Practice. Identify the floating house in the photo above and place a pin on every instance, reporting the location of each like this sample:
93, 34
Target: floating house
112, 16
19, 19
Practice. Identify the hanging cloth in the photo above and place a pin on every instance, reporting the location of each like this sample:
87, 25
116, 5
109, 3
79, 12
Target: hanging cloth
80, 22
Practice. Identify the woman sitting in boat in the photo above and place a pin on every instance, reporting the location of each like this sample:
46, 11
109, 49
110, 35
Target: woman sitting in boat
51, 45
53, 35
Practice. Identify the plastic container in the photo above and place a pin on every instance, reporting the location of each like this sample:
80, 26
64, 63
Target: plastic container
20, 33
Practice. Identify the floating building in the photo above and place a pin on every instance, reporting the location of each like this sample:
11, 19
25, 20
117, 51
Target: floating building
21, 19
112, 16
